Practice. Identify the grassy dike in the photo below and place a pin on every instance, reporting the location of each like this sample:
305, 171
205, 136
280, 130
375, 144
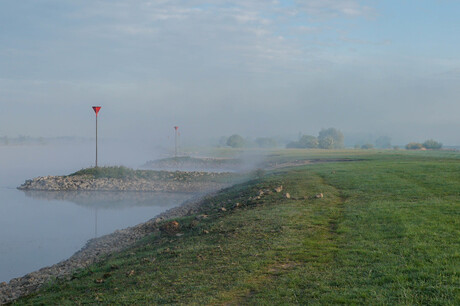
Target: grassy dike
386, 232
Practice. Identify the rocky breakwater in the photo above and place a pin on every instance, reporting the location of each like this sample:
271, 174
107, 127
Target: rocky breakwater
174, 182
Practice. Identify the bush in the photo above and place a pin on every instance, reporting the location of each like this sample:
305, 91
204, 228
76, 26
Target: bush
236, 141
431, 144
305, 142
308, 141
414, 146
330, 138
327, 142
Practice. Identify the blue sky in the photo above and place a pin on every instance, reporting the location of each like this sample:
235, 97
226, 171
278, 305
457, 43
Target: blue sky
257, 68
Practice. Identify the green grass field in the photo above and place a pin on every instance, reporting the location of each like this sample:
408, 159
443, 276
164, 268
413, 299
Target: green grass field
386, 232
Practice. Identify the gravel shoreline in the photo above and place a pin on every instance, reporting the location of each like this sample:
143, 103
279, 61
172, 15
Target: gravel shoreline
82, 183
94, 250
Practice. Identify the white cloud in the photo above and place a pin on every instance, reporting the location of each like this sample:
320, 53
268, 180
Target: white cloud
264, 34
335, 8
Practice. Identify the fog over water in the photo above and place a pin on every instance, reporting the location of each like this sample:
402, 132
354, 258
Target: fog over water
42, 228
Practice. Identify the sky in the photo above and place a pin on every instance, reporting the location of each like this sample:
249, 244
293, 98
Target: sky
252, 67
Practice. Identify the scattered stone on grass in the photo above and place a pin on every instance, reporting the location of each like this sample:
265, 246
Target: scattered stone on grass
287, 195
319, 196
279, 189
130, 273
170, 228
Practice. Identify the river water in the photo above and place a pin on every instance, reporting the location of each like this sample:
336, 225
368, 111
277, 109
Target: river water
38, 229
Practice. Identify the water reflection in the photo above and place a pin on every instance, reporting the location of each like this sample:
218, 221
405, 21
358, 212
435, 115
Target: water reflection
41, 229
111, 199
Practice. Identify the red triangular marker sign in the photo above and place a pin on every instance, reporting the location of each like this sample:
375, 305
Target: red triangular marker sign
96, 109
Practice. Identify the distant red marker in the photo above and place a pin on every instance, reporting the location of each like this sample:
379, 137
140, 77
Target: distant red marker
96, 111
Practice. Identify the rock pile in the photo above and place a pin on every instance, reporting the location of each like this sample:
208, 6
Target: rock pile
81, 183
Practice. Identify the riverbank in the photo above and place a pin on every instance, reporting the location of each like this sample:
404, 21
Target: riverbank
379, 231
98, 185
95, 250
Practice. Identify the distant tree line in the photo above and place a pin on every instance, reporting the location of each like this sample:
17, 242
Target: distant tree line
382, 142
21, 140
330, 138
430, 144
237, 141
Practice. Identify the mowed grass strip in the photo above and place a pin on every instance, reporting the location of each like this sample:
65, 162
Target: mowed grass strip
386, 232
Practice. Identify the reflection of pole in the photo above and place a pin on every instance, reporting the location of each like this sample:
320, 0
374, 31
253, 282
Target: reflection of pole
95, 223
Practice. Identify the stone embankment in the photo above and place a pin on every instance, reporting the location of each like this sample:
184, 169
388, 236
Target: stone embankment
92, 252
81, 183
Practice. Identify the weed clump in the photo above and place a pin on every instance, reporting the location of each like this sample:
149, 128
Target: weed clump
106, 172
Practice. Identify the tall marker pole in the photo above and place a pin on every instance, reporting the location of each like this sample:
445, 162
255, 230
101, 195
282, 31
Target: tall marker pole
175, 141
96, 110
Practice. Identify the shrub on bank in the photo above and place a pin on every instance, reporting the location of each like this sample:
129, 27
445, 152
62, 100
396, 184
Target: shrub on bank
414, 146
107, 172
431, 144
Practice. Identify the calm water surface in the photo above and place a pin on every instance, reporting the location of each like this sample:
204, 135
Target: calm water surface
38, 229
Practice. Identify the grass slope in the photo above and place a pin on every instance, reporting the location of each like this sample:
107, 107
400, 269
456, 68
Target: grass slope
386, 232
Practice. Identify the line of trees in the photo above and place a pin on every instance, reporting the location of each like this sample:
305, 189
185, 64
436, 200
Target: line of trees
429, 144
237, 141
330, 138
382, 142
